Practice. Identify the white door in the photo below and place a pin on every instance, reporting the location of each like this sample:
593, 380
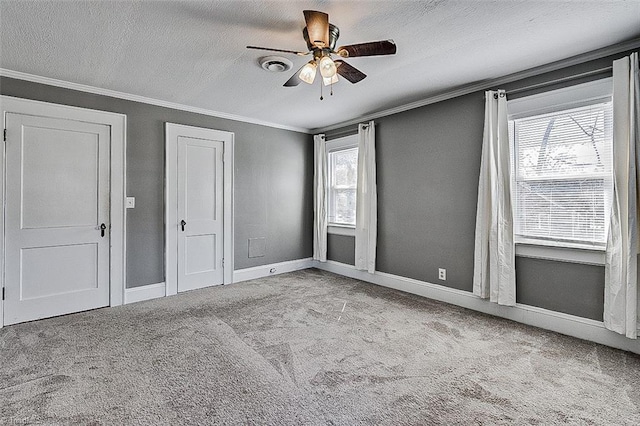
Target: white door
56, 217
200, 212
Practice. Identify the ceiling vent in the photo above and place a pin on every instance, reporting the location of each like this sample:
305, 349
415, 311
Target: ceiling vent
275, 64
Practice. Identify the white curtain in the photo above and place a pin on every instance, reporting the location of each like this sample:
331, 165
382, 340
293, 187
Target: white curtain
319, 199
494, 272
621, 274
366, 200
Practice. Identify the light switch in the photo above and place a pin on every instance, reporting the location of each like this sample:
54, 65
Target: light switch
131, 202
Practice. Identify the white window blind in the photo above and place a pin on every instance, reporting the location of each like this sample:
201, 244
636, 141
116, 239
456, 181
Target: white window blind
343, 183
563, 175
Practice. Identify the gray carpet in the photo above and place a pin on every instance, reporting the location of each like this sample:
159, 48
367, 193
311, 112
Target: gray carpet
306, 348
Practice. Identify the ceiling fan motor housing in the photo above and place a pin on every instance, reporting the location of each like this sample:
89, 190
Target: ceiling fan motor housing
334, 33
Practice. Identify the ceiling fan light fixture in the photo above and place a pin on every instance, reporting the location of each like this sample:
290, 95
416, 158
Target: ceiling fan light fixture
308, 72
330, 80
327, 67
321, 38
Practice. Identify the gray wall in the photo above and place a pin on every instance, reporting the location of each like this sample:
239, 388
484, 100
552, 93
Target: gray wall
428, 164
341, 248
273, 174
428, 169
561, 286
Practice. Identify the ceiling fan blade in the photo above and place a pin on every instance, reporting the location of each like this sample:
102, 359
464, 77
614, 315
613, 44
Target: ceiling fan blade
278, 50
317, 27
373, 48
294, 80
349, 72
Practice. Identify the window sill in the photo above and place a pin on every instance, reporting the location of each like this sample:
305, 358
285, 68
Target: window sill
586, 255
349, 231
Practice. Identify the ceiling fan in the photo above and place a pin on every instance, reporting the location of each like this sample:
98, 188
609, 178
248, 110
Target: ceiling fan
321, 37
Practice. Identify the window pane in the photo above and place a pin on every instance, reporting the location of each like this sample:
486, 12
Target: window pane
563, 174
343, 181
572, 210
566, 143
345, 206
345, 167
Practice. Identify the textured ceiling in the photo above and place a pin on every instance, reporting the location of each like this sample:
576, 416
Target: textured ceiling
193, 52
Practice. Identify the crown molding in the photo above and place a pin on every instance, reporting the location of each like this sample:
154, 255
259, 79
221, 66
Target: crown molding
449, 94
142, 99
486, 84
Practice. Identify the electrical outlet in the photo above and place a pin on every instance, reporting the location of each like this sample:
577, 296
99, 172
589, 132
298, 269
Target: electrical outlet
442, 274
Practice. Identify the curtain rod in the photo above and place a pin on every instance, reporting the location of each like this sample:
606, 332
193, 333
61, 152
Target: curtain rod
346, 132
560, 80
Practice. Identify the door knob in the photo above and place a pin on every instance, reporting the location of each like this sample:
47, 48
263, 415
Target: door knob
102, 228
183, 223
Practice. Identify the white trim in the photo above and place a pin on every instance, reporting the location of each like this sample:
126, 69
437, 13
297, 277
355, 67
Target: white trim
142, 99
566, 98
449, 94
145, 292
172, 131
342, 143
349, 231
229, 203
570, 325
483, 85
118, 125
265, 270
550, 101
586, 256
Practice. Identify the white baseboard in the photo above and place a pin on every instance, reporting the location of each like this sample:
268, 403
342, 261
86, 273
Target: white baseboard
570, 325
153, 291
145, 292
272, 269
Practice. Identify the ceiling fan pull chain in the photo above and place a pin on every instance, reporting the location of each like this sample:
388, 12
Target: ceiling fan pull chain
321, 98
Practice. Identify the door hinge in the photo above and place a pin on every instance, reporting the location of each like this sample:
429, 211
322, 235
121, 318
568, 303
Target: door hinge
223, 262
2, 293
5, 135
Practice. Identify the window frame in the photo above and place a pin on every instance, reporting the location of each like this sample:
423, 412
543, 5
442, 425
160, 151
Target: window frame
335, 145
547, 102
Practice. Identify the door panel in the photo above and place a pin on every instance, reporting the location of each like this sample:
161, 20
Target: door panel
200, 181
200, 254
51, 202
200, 186
50, 262
57, 183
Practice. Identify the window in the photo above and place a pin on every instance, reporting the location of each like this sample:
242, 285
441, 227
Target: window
342, 168
562, 166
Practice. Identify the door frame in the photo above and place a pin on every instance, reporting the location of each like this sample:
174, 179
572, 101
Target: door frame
172, 131
117, 181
